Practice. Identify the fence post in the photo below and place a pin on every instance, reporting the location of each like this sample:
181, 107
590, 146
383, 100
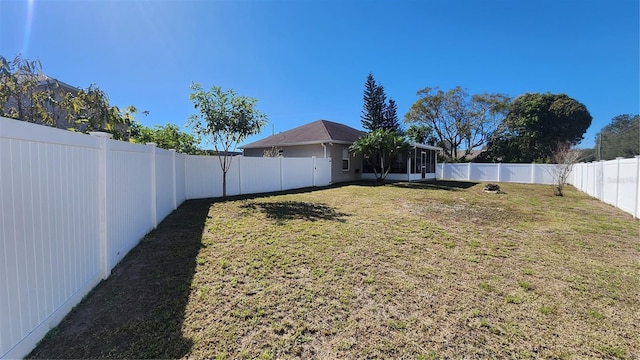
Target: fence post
533, 173
102, 201
173, 173
281, 174
154, 201
499, 171
618, 178
469, 172
239, 174
313, 171
637, 209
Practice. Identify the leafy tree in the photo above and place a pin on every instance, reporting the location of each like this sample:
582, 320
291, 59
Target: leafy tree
26, 94
381, 148
534, 126
89, 110
421, 134
459, 122
621, 137
22, 96
376, 112
225, 119
167, 137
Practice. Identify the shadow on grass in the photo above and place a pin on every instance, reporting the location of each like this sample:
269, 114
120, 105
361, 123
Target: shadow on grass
139, 310
290, 210
437, 185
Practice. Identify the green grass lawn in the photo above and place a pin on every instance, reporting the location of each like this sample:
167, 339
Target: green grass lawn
416, 271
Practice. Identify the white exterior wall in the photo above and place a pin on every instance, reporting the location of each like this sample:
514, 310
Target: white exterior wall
290, 151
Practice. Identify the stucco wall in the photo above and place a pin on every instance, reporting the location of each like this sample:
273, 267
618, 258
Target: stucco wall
339, 175
291, 151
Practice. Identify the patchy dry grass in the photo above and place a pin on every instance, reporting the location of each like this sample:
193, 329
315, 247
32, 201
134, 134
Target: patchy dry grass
421, 271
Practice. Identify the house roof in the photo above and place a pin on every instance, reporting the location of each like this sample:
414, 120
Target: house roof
425, 146
317, 132
46, 80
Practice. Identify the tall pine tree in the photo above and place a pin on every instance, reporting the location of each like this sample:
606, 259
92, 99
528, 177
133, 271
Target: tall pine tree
376, 112
391, 121
374, 105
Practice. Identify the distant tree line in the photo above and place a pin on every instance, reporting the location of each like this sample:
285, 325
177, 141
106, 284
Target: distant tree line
620, 138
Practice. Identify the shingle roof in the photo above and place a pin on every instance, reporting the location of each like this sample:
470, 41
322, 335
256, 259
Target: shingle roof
320, 131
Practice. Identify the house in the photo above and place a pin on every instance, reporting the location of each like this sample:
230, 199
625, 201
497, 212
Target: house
322, 139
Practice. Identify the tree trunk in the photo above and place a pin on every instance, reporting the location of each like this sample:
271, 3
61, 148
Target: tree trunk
224, 184
558, 191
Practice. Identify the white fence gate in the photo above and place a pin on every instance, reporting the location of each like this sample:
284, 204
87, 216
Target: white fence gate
73, 205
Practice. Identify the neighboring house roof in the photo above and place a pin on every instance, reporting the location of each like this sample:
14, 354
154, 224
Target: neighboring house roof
46, 80
317, 132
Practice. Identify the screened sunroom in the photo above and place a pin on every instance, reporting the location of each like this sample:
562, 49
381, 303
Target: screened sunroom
418, 165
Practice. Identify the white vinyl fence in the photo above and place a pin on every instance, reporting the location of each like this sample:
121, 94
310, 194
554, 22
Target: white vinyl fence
73, 205
517, 173
615, 182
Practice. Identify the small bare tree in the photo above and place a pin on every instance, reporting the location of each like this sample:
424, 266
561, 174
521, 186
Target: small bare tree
565, 157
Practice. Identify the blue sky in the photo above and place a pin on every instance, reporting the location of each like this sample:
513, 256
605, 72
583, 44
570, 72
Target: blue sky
308, 59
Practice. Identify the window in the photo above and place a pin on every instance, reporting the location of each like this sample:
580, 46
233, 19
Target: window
280, 152
345, 159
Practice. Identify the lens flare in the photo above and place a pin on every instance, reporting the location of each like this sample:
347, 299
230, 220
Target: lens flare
27, 27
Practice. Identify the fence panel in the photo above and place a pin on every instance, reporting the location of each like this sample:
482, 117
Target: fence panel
259, 174
181, 190
544, 173
485, 172
519, 173
48, 221
628, 185
129, 197
455, 171
202, 177
164, 182
297, 173
610, 177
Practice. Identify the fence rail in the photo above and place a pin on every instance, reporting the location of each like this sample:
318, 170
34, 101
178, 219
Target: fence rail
72, 206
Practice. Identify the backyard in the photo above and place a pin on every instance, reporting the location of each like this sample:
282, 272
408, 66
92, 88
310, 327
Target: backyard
404, 270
